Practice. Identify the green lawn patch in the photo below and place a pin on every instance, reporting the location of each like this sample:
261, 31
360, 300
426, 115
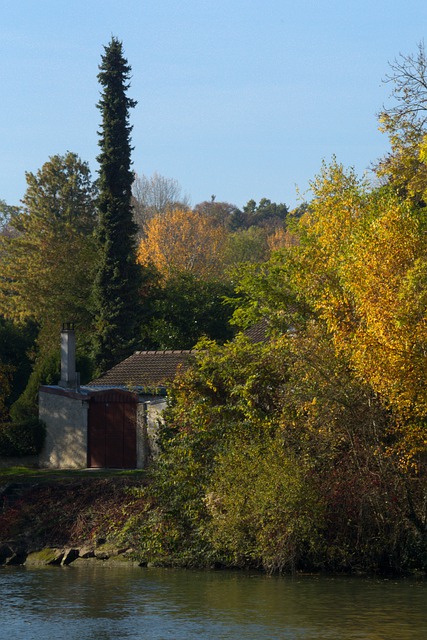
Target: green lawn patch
23, 474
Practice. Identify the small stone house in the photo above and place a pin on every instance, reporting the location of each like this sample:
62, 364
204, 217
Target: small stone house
112, 421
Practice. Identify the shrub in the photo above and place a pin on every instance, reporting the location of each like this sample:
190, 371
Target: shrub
264, 506
24, 438
46, 371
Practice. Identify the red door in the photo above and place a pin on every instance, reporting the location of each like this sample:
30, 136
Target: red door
112, 430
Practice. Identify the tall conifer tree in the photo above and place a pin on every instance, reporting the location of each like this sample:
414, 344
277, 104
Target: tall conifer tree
116, 284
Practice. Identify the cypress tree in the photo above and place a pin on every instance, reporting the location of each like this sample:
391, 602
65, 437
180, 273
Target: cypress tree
116, 283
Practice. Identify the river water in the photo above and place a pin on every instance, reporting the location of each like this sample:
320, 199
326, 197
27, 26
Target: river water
100, 603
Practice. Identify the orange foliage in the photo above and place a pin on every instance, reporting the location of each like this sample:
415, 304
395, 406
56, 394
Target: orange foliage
183, 240
281, 238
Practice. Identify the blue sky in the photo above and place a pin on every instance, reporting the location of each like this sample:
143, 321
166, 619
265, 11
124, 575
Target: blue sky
237, 98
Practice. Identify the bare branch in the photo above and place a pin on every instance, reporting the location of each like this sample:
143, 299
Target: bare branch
155, 195
409, 78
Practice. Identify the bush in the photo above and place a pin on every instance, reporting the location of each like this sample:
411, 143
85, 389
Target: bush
47, 370
264, 507
24, 438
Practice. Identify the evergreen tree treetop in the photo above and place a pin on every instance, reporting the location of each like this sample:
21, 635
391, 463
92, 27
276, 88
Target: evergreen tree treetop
115, 175
116, 285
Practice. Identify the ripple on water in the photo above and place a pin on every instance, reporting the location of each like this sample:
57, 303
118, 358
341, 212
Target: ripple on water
105, 603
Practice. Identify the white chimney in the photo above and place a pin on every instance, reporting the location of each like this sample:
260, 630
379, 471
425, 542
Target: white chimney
69, 377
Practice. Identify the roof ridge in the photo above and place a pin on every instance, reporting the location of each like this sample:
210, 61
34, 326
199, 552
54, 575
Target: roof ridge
164, 351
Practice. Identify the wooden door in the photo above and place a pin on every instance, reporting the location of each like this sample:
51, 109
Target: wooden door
112, 430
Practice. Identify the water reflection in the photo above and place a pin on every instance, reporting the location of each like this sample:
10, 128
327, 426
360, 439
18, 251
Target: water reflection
95, 602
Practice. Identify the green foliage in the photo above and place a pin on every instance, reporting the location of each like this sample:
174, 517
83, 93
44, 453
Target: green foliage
117, 280
269, 291
20, 439
179, 312
5, 375
264, 506
6, 213
62, 191
235, 387
47, 370
224, 397
265, 214
246, 245
16, 343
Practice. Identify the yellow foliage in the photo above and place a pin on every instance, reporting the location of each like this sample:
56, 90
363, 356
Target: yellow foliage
390, 340
281, 238
363, 266
183, 240
45, 271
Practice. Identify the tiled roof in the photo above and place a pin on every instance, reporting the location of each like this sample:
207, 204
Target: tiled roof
146, 368
158, 368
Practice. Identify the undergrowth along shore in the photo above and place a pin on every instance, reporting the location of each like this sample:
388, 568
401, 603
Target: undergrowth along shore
109, 515
57, 517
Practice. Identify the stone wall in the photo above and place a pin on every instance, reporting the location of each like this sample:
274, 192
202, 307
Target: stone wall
149, 415
154, 411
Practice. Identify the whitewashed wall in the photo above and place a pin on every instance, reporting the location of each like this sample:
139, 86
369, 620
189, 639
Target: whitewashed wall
66, 431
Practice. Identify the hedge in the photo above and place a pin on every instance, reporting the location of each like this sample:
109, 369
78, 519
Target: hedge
25, 438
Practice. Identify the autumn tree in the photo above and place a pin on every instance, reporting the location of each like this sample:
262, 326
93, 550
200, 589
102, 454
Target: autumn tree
183, 241
362, 267
280, 238
47, 255
116, 284
326, 417
352, 293
309, 449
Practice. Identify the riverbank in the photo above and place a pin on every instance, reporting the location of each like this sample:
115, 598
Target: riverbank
56, 518
122, 518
